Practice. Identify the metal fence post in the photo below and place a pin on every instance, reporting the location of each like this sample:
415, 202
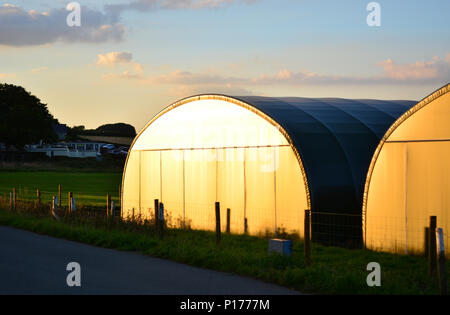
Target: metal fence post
441, 265
217, 222
53, 208
307, 238
432, 247
156, 215
161, 221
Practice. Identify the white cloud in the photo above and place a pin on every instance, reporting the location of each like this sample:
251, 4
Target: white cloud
113, 58
26, 28
436, 71
116, 58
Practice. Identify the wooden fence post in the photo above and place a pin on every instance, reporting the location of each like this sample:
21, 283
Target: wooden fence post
11, 201
108, 205
441, 265
432, 247
70, 201
307, 240
38, 195
156, 214
59, 195
217, 222
228, 220
245, 226
113, 209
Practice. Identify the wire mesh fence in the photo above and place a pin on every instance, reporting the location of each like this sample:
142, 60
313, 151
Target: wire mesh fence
24, 193
338, 229
390, 234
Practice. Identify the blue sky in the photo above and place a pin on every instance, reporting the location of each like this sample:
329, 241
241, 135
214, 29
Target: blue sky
154, 52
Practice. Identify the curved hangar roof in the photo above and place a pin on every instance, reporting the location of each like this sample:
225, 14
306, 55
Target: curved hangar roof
334, 138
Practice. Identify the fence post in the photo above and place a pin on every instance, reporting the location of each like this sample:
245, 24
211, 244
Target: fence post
11, 201
70, 201
228, 220
74, 206
432, 247
245, 226
113, 209
53, 209
217, 222
441, 265
38, 195
59, 195
307, 240
156, 214
108, 203
161, 221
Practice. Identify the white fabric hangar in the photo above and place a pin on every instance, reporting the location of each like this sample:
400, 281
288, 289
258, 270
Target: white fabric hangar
266, 159
409, 179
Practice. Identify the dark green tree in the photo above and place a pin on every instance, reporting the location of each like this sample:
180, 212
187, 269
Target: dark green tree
74, 133
116, 130
23, 118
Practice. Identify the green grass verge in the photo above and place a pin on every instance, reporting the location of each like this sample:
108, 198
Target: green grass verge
333, 270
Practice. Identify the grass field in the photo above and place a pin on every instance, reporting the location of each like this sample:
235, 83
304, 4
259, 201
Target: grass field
89, 188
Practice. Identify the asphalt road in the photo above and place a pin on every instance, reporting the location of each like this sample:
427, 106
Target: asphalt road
36, 264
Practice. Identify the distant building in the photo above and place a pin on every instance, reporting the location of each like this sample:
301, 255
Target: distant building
76, 149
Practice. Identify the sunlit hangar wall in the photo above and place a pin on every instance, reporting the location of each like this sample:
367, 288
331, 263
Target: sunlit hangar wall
267, 159
409, 179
